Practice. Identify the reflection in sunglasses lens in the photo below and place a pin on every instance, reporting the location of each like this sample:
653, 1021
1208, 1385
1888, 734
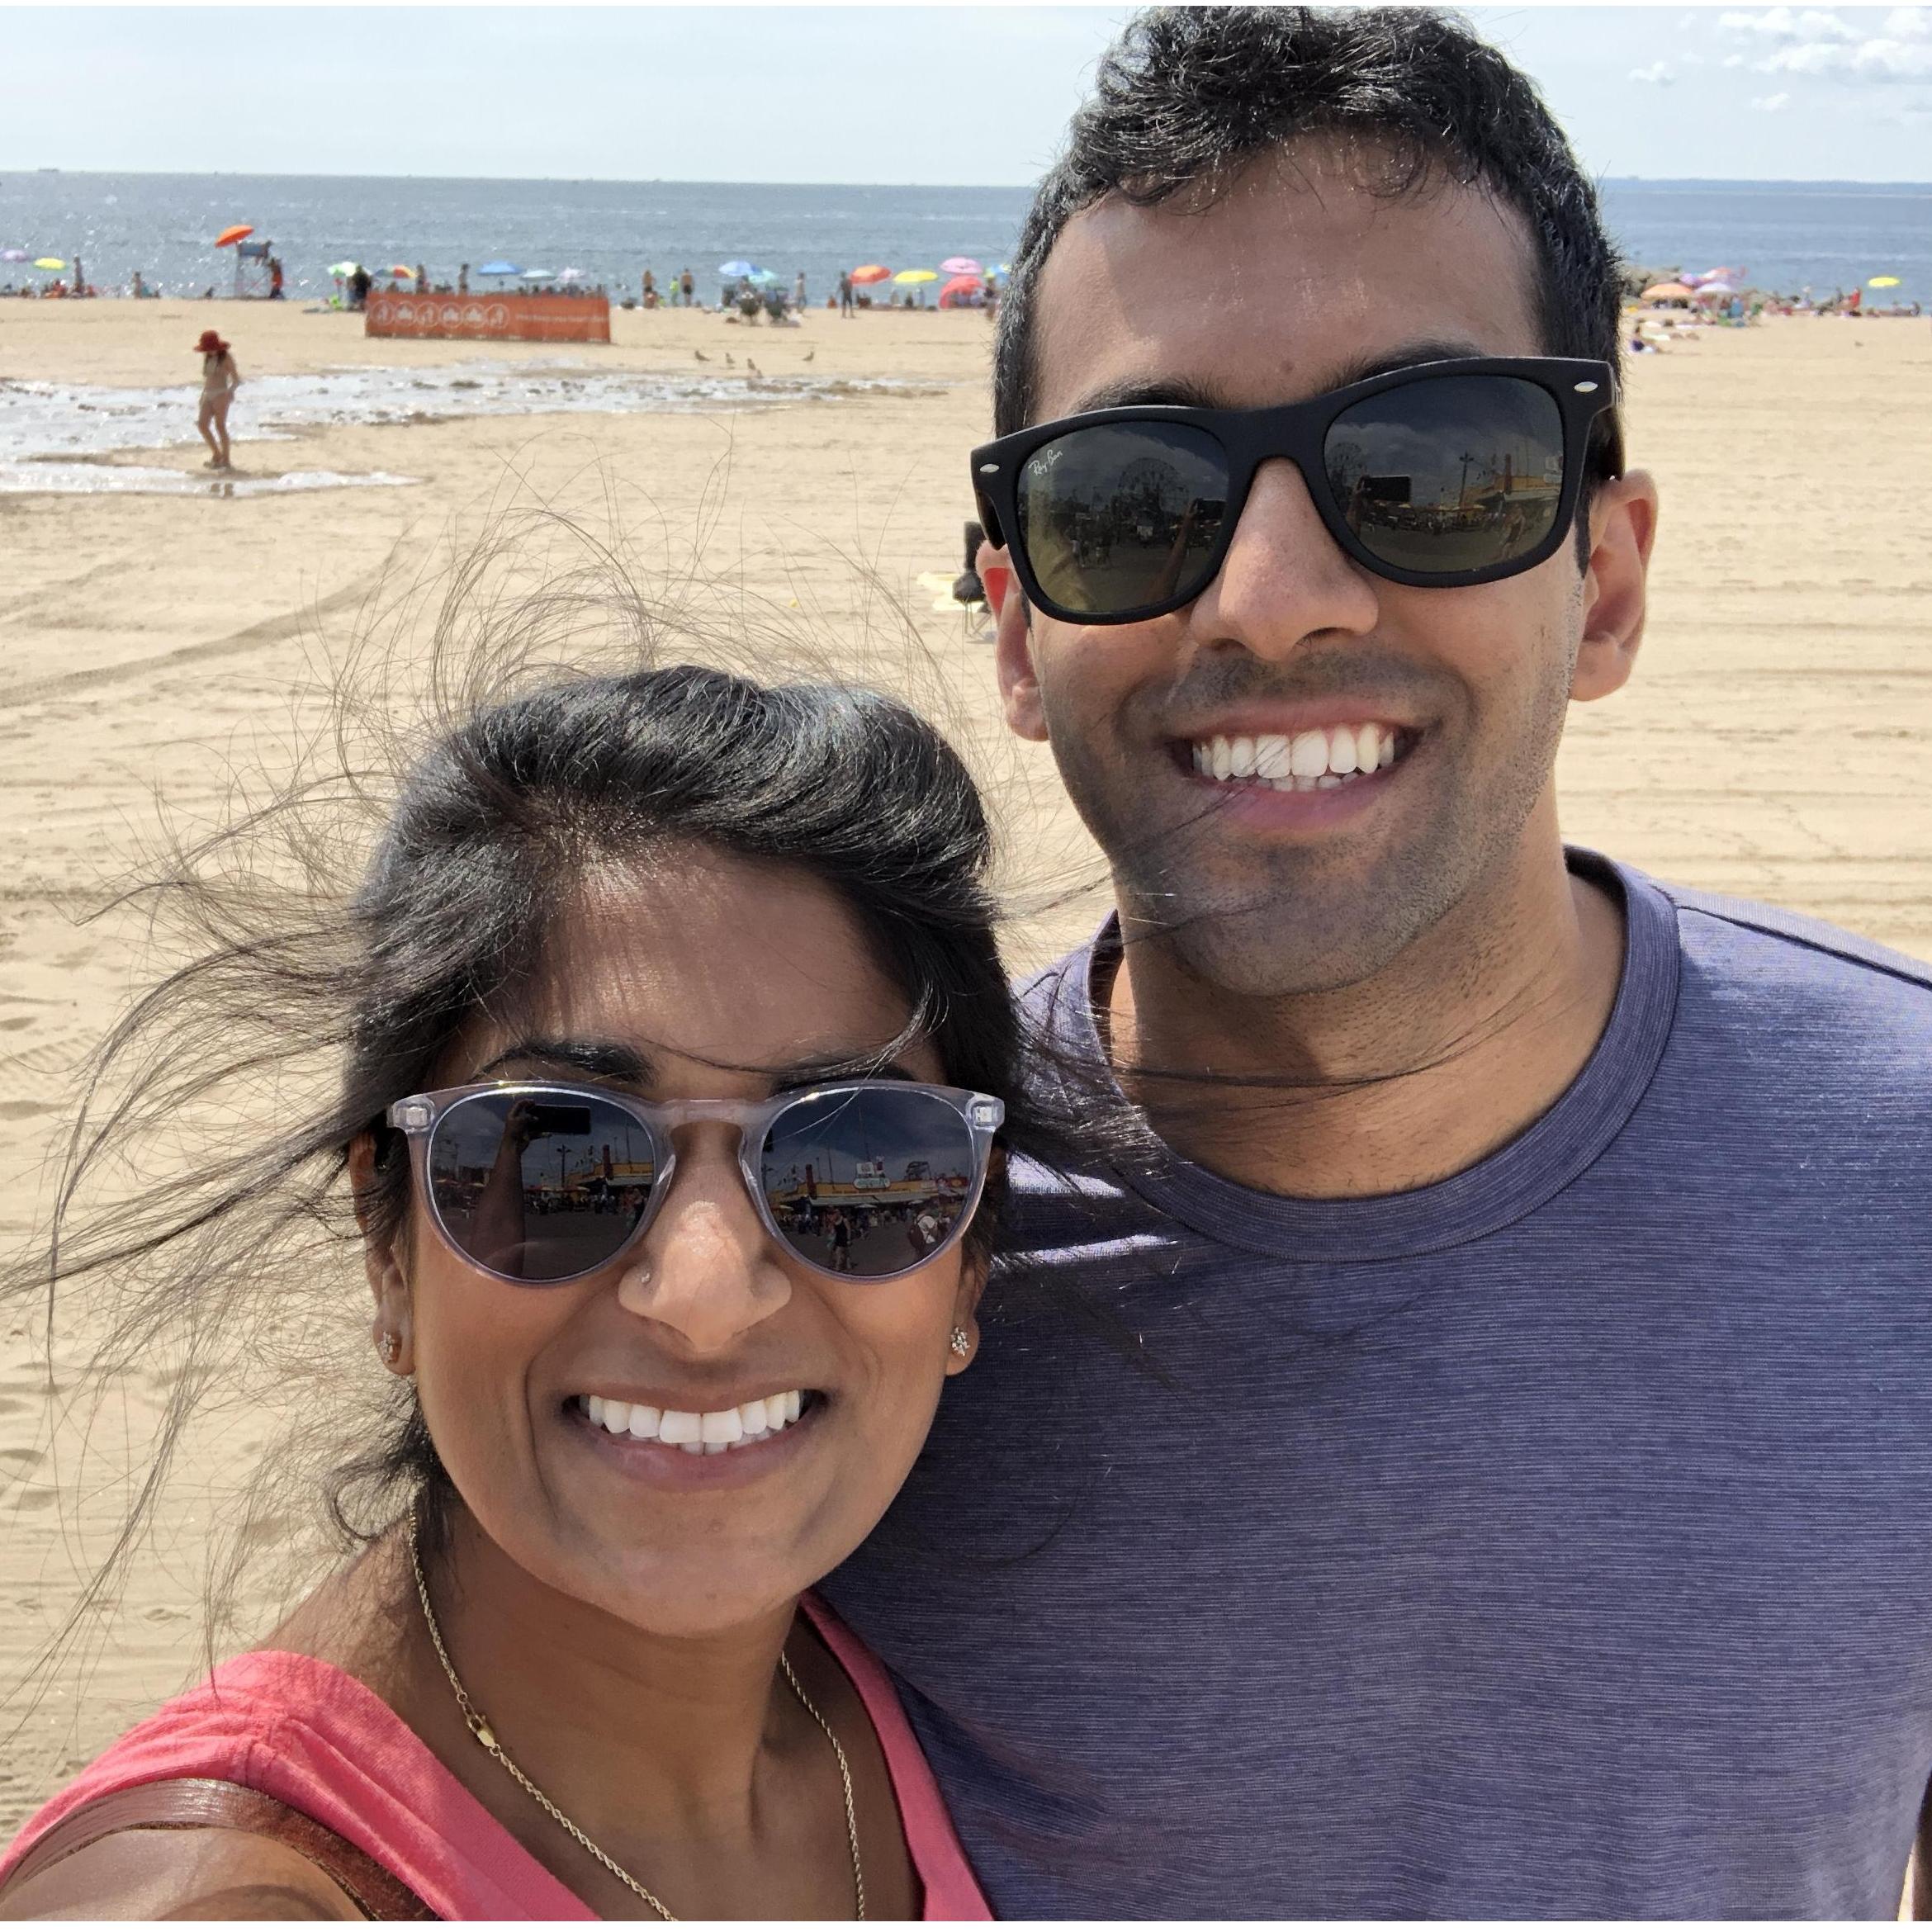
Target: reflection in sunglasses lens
1122, 516
1449, 473
867, 1182
540, 1189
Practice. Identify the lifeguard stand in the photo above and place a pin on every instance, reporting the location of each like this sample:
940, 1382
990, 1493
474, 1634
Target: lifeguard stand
251, 269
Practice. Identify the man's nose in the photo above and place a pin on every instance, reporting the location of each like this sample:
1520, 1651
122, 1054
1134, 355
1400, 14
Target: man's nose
705, 1269
1285, 580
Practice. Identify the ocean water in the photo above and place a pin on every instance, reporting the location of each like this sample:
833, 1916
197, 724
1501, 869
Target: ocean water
1785, 234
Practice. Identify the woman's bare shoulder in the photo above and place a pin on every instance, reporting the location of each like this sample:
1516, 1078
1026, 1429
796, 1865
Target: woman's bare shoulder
205, 1873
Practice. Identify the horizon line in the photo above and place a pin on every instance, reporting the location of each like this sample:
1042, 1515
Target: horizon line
694, 181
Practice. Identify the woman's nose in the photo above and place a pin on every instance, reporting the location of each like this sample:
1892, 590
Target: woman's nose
704, 1269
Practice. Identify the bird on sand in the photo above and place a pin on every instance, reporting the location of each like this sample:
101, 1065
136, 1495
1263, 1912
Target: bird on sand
701, 355
814, 353
729, 363
752, 366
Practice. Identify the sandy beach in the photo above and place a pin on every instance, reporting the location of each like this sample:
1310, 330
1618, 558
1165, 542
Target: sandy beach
1772, 744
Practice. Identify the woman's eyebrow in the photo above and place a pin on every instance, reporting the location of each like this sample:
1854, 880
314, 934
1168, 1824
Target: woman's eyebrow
599, 1059
852, 1067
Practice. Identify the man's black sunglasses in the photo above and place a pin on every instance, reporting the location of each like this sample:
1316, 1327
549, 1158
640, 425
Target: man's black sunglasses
1441, 475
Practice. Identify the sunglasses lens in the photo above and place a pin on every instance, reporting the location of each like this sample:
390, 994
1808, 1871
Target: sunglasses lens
865, 1181
1122, 516
540, 1187
1451, 473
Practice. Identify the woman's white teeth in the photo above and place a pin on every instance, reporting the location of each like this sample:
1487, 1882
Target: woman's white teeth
707, 1432
1306, 762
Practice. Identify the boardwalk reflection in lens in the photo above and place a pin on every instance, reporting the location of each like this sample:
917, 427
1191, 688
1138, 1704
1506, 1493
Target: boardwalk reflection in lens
1123, 515
540, 1190
867, 1182
1453, 473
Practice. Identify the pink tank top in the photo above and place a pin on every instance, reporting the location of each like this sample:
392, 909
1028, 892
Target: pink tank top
309, 1734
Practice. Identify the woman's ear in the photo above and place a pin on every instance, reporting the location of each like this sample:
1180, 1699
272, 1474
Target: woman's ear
394, 1329
973, 1274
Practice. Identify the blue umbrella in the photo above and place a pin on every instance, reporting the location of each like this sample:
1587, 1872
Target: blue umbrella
499, 268
737, 271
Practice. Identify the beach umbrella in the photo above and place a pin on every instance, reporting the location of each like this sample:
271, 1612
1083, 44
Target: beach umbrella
12, 254
499, 268
540, 275
403, 268
50, 262
907, 276
570, 275
1882, 281
961, 265
345, 269
960, 285
240, 232
1667, 292
763, 276
1715, 288
871, 272
737, 271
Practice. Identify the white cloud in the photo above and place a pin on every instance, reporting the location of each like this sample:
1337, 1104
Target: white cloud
1877, 60
1908, 23
1782, 23
1657, 74
1816, 41
1771, 103
1734, 60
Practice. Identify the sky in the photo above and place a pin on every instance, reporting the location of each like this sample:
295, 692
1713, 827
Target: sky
920, 95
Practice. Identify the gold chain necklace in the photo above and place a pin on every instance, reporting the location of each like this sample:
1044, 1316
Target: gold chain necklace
479, 1727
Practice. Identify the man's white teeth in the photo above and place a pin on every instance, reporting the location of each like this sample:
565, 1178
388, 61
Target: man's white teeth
1306, 762
708, 1432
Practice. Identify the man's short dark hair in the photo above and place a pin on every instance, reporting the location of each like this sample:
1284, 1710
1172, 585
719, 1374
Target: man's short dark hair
1186, 95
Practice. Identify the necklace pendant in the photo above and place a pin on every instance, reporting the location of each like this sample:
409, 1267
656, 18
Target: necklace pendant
479, 1730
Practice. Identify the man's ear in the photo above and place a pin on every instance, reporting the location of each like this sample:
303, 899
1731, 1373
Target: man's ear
1012, 645
1623, 526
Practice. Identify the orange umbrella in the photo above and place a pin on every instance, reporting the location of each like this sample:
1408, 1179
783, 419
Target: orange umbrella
240, 232
871, 272
1668, 291
404, 268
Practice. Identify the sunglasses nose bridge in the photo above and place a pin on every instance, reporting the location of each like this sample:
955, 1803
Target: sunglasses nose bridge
1284, 575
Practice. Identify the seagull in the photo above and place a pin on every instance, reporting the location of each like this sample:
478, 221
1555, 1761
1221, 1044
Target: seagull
729, 363
701, 355
751, 366
814, 353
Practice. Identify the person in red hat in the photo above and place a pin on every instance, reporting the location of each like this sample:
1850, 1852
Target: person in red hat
220, 380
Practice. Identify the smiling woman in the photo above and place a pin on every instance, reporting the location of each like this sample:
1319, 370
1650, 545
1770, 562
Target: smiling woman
673, 1050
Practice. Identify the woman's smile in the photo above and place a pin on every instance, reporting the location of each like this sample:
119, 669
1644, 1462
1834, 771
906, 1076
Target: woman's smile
724, 1445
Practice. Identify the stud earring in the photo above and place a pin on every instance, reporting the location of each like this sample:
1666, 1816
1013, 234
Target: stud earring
390, 1346
962, 1343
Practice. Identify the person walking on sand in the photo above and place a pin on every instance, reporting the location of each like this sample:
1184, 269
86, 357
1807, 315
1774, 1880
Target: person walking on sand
220, 380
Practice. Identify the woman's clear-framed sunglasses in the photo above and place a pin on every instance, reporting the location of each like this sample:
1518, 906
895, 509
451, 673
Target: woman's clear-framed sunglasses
1443, 474
542, 1184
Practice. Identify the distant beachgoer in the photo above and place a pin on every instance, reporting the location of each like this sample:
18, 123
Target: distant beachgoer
141, 288
799, 290
650, 290
845, 293
422, 279
691, 288
359, 287
463, 279
275, 279
220, 380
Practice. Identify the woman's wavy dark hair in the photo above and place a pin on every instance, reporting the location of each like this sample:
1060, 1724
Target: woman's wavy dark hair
331, 934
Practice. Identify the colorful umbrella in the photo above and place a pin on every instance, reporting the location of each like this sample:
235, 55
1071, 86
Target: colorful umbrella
404, 269
499, 268
908, 276
1667, 292
12, 254
961, 265
763, 276
1882, 281
738, 271
50, 262
240, 232
345, 269
960, 286
871, 272
1714, 288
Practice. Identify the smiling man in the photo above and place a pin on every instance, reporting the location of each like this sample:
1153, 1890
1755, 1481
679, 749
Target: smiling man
1512, 1501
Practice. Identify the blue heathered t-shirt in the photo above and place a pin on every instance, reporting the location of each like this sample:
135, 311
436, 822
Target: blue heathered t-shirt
1555, 1539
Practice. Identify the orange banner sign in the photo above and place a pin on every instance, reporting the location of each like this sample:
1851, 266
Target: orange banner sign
505, 318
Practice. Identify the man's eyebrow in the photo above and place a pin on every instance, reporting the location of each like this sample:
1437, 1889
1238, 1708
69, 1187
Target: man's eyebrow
1132, 392
598, 1059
